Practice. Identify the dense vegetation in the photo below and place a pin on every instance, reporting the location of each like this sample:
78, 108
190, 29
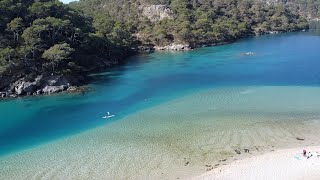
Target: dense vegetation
193, 22
46, 37
309, 8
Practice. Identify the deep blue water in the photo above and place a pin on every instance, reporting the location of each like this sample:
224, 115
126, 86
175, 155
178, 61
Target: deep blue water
150, 79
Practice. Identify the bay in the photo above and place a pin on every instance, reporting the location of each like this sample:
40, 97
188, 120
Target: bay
170, 108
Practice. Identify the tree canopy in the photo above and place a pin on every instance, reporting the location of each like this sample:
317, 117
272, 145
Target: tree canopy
193, 22
36, 34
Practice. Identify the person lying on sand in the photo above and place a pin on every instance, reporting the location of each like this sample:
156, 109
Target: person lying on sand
310, 154
304, 153
307, 155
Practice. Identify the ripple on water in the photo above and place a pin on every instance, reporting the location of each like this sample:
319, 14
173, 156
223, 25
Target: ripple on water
180, 138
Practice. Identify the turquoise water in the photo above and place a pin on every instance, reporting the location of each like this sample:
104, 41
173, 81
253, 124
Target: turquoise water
149, 80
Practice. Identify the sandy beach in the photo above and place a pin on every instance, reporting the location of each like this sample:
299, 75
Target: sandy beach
280, 164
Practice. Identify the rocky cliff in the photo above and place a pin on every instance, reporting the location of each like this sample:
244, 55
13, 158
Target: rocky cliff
156, 12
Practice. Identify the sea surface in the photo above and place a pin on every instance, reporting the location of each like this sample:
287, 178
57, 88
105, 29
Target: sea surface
176, 114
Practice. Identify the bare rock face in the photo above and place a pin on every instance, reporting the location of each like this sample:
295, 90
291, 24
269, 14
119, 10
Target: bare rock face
36, 86
173, 47
54, 89
41, 84
156, 12
55, 80
3, 94
271, 2
29, 87
55, 84
22, 87
19, 88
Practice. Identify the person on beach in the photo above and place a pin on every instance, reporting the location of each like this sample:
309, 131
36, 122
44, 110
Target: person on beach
310, 154
304, 153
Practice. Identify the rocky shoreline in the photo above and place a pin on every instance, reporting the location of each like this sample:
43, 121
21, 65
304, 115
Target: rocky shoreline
51, 84
173, 47
186, 47
41, 85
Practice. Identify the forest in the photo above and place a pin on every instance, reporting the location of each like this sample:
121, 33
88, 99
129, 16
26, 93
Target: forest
192, 22
48, 38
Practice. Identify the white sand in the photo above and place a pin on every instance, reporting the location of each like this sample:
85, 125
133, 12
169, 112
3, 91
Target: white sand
279, 164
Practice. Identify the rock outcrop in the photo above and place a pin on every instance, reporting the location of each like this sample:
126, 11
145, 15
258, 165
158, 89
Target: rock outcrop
39, 85
54, 89
173, 47
156, 12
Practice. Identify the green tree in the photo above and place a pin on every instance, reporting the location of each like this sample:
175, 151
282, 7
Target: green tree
42, 9
103, 24
57, 54
7, 57
16, 26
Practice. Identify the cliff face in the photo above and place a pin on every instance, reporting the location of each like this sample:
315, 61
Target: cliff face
156, 12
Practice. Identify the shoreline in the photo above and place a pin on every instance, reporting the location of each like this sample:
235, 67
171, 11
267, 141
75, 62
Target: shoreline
58, 88
187, 47
279, 164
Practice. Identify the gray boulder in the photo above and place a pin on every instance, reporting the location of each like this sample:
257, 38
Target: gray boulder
22, 87
29, 87
173, 47
39, 91
72, 88
19, 88
55, 80
54, 89
3, 94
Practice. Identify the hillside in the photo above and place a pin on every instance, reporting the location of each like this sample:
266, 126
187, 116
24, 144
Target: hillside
47, 47
308, 8
192, 22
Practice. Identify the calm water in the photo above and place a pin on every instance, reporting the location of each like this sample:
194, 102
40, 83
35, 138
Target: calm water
275, 87
290, 59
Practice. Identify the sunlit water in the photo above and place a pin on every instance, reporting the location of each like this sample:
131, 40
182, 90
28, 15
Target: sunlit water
175, 113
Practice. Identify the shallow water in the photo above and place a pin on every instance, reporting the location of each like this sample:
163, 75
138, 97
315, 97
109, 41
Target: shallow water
170, 109
177, 139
